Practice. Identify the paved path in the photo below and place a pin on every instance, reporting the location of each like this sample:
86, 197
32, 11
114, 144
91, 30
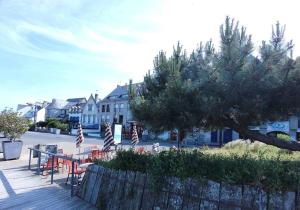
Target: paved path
67, 143
21, 188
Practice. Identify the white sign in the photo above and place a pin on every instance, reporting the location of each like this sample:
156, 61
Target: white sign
118, 133
282, 126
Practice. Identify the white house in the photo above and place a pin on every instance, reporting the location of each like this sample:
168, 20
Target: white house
59, 109
90, 110
35, 112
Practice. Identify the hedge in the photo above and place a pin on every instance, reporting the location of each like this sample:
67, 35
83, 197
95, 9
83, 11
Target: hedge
270, 174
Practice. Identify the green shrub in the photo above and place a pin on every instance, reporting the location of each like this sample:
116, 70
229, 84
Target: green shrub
261, 171
283, 137
41, 124
53, 123
12, 125
62, 126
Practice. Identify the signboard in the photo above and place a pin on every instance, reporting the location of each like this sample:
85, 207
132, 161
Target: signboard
282, 126
118, 133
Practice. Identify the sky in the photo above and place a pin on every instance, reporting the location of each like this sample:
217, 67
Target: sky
73, 48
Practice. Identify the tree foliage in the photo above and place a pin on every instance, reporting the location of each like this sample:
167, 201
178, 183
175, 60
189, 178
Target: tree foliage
233, 86
12, 125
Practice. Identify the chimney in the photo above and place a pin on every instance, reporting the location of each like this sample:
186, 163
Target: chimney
96, 97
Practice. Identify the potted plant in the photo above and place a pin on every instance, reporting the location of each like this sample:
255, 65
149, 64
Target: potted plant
2, 138
13, 126
54, 126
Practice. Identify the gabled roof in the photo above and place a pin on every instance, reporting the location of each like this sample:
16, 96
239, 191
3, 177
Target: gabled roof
120, 92
93, 99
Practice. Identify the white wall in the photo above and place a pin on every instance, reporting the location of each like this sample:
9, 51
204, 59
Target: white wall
41, 115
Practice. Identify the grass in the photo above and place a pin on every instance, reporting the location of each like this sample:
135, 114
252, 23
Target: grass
255, 150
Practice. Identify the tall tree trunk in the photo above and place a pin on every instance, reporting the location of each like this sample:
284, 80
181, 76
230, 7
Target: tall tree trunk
252, 135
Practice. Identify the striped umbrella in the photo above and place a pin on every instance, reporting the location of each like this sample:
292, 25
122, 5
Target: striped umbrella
80, 138
109, 139
135, 137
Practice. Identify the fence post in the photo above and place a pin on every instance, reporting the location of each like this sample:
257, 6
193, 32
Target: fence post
72, 179
52, 169
29, 164
39, 163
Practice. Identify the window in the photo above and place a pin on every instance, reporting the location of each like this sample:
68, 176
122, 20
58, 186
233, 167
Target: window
121, 107
116, 107
89, 119
94, 119
84, 118
107, 118
103, 108
102, 118
90, 107
107, 108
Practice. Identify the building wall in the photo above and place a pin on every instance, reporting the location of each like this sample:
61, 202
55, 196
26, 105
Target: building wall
90, 113
118, 109
41, 115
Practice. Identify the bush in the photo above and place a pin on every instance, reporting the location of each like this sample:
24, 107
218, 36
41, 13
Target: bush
269, 173
42, 124
283, 137
12, 125
62, 126
53, 123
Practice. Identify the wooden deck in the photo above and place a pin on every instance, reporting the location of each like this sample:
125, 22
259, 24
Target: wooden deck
21, 188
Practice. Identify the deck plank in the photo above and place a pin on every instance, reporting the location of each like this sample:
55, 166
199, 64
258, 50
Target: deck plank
22, 189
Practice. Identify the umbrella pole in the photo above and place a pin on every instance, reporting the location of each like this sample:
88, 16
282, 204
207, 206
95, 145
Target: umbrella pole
79, 153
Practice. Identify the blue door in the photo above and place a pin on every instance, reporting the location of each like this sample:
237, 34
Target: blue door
227, 136
214, 137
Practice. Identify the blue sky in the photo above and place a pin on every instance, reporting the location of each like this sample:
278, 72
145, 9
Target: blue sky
71, 48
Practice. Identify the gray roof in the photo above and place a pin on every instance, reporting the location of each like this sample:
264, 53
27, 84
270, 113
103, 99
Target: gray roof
57, 104
69, 105
120, 93
77, 100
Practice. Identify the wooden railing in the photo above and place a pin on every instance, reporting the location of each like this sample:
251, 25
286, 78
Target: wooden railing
52, 155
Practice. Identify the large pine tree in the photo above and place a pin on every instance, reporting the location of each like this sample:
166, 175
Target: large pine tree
230, 87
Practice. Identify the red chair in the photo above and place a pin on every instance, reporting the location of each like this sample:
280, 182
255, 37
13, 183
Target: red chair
140, 150
77, 172
64, 162
48, 165
95, 154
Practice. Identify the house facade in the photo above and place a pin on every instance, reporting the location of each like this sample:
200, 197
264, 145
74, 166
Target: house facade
35, 112
115, 107
75, 113
89, 119
59, 109
290, 127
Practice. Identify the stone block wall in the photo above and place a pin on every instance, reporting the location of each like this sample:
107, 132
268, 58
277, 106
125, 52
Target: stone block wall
111, 189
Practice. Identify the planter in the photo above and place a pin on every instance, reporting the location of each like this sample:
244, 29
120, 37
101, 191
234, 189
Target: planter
12, 149
1, 140
56, 131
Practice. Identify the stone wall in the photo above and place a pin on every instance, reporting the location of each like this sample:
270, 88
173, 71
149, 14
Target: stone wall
111, 189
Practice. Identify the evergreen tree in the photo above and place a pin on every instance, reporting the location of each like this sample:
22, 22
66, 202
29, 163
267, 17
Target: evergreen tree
230, 87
